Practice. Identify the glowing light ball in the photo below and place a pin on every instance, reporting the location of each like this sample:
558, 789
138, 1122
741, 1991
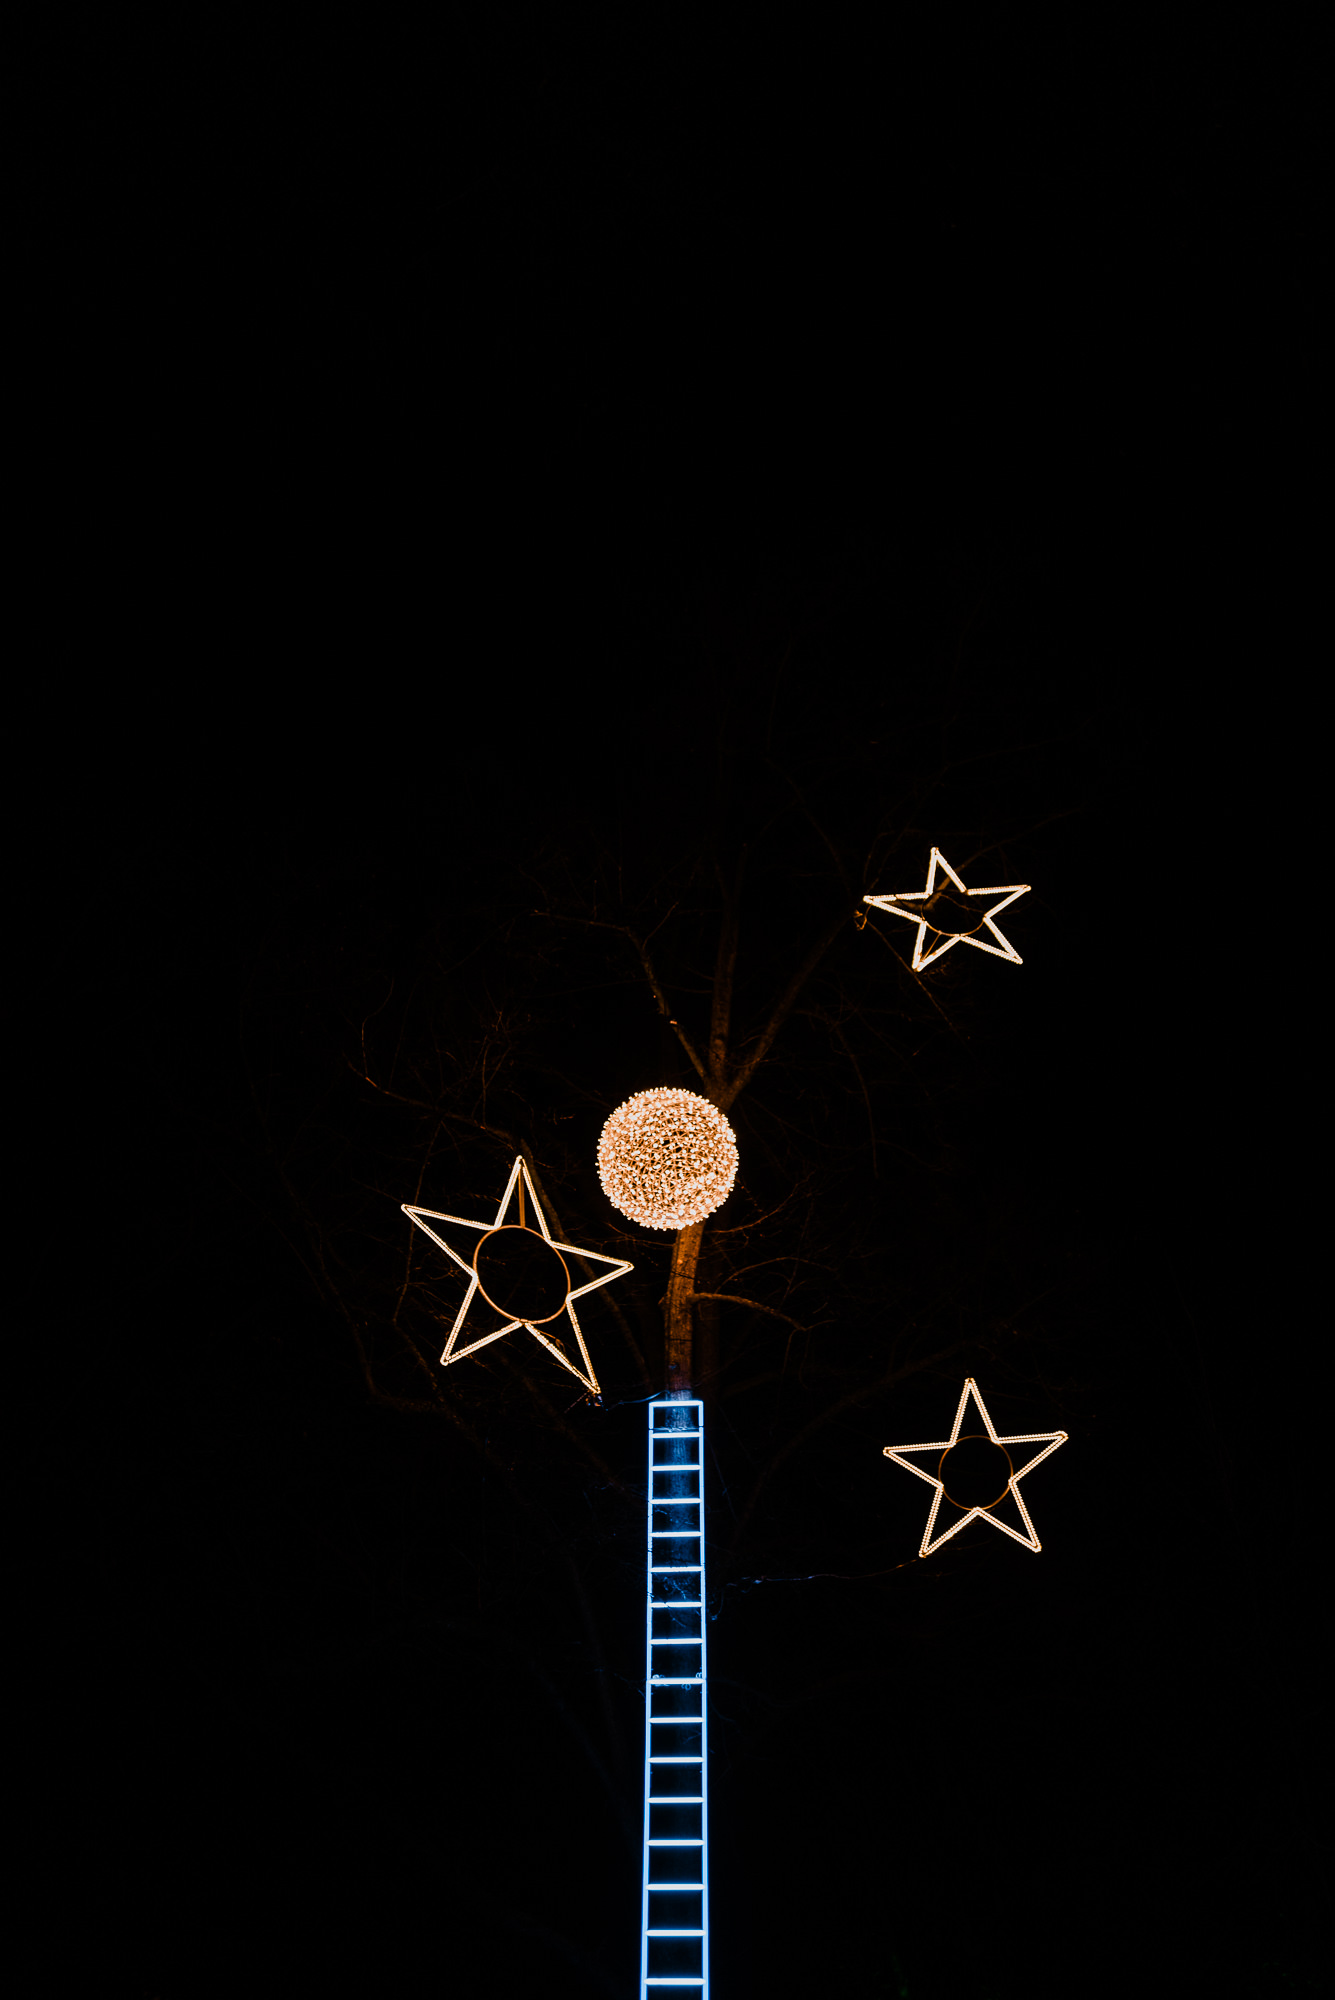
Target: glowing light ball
667, 1158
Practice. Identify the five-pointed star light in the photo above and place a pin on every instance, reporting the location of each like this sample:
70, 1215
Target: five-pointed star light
1049, 1439
901, 906
519, 1180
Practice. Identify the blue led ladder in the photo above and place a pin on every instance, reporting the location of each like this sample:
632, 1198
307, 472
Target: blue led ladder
674, 1919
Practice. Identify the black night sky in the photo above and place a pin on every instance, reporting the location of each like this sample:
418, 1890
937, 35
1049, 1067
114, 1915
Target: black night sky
502, 492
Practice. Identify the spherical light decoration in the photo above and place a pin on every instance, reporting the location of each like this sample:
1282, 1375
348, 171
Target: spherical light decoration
667, 1158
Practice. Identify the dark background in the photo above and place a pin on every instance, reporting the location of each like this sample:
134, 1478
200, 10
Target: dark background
426, 437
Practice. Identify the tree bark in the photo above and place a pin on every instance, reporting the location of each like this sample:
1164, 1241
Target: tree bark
679, 1312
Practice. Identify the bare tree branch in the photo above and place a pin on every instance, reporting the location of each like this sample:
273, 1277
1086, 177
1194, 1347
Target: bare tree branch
732, 1299
917, 979
655, 986
813, 823
827, 1415
720, 1016
572, 1436
740, 1228
842, 1040
784, 1257
786, 1002
416, 1102
664, 1008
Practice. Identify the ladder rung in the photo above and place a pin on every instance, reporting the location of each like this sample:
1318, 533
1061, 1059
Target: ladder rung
676, 1642
674, 1982
674, 1934
676, 1760
677, 1569
676, 1721
674, 1843
674, 1534
677, 1799
658, 1888
677, 1681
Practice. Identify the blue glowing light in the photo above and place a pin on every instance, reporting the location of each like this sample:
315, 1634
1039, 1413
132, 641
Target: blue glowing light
674, 1919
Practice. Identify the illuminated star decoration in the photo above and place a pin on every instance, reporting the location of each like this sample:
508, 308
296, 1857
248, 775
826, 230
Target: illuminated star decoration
519, 1178
1049, 1439
900, 906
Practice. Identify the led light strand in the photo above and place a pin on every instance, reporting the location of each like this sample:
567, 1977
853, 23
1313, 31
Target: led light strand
519, 1179
1051, 1439
667, 1158
1003, 948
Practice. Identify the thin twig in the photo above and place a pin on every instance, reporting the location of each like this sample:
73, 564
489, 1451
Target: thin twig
886, 1381
655, 986
814, 823
787, 1001
732, 1299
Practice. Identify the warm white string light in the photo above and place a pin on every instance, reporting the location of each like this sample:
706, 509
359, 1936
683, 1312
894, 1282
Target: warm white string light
667, 1158
1003, 948
1050, 1439
455, 1353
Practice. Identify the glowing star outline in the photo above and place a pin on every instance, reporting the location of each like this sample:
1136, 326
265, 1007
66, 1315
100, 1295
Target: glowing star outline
1003, 948
1052, 1439
519, 1177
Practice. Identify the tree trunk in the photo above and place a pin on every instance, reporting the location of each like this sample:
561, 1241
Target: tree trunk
679, 1312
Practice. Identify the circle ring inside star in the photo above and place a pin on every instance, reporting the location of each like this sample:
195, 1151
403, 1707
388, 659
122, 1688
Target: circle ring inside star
518, 1229
983, 1504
